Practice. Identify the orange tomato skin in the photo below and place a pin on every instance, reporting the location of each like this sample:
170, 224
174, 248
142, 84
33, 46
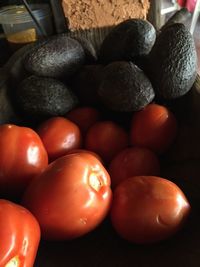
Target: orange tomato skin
154, 127
59, 135
148, 209
19, 235
106, 138
71, 197
22, 157
84, 117
133, 161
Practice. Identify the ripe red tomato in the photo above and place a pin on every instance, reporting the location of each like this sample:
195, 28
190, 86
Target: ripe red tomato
85, 151
84, 117
59, 135
19, 235
106, 138
148, 209
132, 162
22, 157
71, 197
154, 127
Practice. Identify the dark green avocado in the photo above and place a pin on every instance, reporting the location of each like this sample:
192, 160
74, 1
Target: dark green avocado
125, 87
38, 98
90, 52
128, 40
60, 56
172, 62
85, 84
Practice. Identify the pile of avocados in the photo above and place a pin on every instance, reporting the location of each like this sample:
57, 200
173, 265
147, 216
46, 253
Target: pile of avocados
134, 66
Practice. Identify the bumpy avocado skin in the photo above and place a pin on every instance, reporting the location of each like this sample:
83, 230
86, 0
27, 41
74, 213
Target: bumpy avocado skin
128, 40
172, 63
90, 52
86, 82
60, 56
125, 87
39, 98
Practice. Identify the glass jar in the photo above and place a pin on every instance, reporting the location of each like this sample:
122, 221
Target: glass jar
20, 28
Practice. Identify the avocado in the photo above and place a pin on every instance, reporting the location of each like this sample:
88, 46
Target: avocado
42, 97
60, 56
15, 65
90, 52
7, 112
128, 40
172, 62
85, 84
125, 87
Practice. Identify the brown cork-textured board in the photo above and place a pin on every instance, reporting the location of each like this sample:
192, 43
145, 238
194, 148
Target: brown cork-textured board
90, 14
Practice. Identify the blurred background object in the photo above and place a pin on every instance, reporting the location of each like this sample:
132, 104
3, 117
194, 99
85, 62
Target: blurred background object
195, 7
25, 21
162, 10
21, 28
189, 4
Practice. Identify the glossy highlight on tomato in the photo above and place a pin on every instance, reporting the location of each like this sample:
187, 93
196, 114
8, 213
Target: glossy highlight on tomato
59, 135
19, 235
147, 209
71, 197
23, 157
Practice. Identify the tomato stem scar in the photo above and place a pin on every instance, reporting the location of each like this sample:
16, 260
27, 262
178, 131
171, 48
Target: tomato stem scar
14, 262
95, 181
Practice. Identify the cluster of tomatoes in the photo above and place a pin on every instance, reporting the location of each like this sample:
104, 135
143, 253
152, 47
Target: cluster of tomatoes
73, 171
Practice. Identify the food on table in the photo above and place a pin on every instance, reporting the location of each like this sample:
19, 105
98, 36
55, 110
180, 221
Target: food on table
128, 40
71, 197
19, 235
59, 135
172, 63
133, 161
147, 209
40, 97
154, 127
59, 56
106, 138
125, 87
84, 117
23, 156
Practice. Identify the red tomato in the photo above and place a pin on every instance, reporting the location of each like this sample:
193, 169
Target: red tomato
85, 151
59, 136
132, 162
19, 235
148, 209
71, 197
154, 127
106, 138
84, 117
22, 157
